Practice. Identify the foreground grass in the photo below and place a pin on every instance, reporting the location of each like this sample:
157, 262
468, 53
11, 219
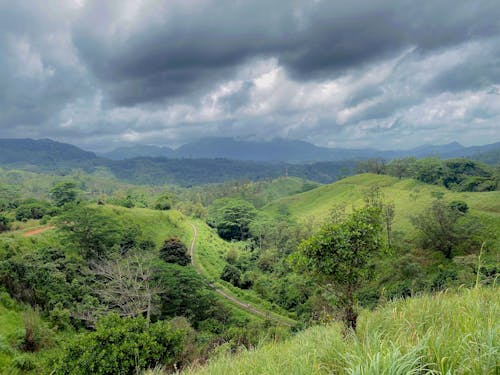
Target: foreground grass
448, 333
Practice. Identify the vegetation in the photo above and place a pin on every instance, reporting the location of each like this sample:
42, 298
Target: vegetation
87, 261
124, 346
448, 333
339, 256
174, 251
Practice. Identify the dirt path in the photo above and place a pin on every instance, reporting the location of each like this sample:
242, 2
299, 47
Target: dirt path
35, 231
221, 292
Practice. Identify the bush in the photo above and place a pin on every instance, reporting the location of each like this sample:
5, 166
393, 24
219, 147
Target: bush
163, 203
35, 211
174, 251
124, 346
4, 223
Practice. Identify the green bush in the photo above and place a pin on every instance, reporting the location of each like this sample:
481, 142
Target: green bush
123, 346
163, 203
174, 251
4, 223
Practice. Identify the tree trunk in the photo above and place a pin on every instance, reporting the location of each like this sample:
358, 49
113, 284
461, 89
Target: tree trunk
350, 316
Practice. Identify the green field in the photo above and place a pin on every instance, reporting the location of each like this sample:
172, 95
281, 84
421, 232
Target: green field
448, 333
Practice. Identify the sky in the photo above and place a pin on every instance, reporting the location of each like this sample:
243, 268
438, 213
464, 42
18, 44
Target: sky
338, 73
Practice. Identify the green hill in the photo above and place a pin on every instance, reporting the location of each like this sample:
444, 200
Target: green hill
448, 333
409, 197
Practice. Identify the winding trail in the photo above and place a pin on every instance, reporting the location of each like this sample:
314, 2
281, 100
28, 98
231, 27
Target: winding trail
233, 299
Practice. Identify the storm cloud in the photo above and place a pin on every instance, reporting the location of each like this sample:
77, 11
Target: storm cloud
357, 73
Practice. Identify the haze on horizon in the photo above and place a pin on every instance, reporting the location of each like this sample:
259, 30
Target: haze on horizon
363, 73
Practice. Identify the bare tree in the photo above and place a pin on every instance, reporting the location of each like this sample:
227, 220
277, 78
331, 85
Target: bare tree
126, 285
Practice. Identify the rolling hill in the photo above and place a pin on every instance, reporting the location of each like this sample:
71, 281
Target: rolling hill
409, 197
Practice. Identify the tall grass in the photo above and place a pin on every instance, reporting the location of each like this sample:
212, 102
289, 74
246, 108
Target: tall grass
448, 333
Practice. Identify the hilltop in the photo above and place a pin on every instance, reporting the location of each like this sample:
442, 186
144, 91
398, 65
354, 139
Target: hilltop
409, 196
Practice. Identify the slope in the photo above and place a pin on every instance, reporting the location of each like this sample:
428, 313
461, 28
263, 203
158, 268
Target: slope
409, 197
448, 333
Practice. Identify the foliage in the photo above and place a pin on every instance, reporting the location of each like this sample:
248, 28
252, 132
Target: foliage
4, 223
63, 193
454, 174
44, 278
340, 253
445, 228
174, 251
93, 232
185, 293
34, 210
123, 346
232, 218
163, 202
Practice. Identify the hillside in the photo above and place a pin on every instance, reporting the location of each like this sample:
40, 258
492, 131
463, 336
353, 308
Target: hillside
409, 197
448, 333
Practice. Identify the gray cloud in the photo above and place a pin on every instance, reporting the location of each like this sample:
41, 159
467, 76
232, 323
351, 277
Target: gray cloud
350, 73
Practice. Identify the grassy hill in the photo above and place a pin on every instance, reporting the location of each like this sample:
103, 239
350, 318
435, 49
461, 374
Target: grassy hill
409, 197
448, 333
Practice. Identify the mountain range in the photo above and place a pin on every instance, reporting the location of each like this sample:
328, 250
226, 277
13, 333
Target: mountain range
215, 160
291, 151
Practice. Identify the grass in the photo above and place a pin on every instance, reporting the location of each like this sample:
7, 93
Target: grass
210, 253
448, 333
409, 197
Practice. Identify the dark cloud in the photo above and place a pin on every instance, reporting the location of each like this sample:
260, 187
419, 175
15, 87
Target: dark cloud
185, 44
360, 72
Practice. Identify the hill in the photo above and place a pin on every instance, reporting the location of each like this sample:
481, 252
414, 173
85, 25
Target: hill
39, 152
409, 197
448, 333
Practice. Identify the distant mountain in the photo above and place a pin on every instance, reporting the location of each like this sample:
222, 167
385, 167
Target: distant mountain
135, 151
40, 152
226, 159
292, 151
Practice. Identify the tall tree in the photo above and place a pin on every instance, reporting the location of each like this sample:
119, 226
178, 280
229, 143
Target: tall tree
93, 232
232, 218
340, 254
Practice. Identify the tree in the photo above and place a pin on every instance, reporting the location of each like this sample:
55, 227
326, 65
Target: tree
232, 218
126, 285
174, 251
445, 228
339, 256
185, 293
375, 165
93, 232
63, 193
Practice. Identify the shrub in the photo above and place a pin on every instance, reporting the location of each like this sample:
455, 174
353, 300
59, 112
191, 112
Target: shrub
174, 251
163, 203
4, 223
123, 346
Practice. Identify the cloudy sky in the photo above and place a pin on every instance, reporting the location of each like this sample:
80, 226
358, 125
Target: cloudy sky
346, 73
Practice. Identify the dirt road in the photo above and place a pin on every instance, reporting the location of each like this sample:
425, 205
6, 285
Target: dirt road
224, 294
